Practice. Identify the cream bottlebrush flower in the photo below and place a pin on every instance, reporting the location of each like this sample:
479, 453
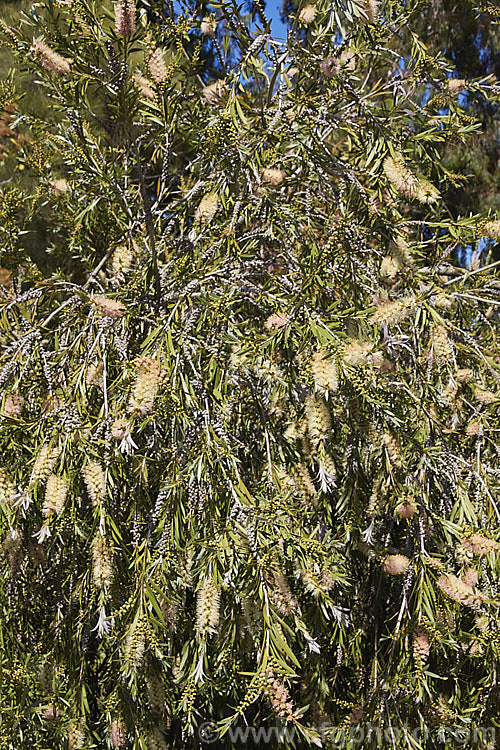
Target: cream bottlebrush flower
111, 308
133, 648
122, 260
207, 208
491, 229
356, 353
324, 371
208, 26
456, 85
371, 10
474, 428
276, 320
302, 482
60, 186
389, 267
102, 563
8, 489
145, 86
426, 192
463, 375
332, 66
406, 183
120, 429
391, 313
307, 14
55, 495
44, 463
125, 17
401, 252
51, 60
149, 375
396, 565
12, 405
207, 608
471, 576
95, 481
441, 344
94, 374
399, 175
319, 421
5, 278
157, 66
281, 595
273, 176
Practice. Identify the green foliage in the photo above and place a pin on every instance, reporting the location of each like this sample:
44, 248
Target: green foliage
250, 401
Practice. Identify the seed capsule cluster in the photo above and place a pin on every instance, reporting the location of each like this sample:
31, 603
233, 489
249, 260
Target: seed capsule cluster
76, 736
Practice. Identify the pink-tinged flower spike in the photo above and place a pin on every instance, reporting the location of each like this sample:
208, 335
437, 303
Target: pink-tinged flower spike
51, 60
157, 66
307, 14
125, 17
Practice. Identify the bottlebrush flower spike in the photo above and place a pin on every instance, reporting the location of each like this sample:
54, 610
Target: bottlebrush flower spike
51, 60
55, 495
125, 17
371, 9
157, 66
207, 608
396, 565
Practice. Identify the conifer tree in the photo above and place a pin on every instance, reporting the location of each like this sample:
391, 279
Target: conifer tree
249, 409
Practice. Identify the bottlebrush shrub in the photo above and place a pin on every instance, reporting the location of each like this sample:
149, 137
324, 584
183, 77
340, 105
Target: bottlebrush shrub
216, 391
